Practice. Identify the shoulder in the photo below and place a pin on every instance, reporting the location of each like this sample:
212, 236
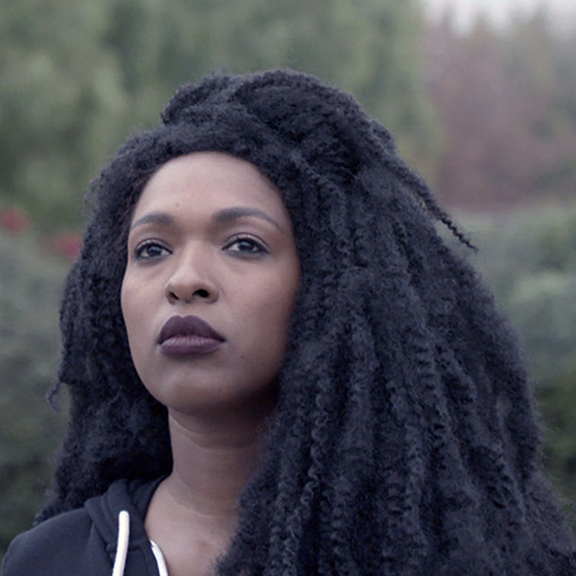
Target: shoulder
51, 547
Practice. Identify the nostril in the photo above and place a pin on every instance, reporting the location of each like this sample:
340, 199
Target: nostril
186, 292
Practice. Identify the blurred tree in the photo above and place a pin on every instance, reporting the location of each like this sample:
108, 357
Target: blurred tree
544, 162
60, 103
507, 110
30, 430
529, 260
79, 75
566, 48
558, 405
465, 82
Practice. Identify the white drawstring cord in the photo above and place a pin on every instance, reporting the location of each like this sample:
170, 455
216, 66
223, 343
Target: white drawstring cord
122, 545
162, 569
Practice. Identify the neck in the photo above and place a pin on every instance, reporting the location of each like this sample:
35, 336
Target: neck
194, 513
214, 456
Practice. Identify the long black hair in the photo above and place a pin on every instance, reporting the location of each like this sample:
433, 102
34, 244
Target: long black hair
405, 440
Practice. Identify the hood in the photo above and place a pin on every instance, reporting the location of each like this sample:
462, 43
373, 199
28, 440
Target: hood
118, 515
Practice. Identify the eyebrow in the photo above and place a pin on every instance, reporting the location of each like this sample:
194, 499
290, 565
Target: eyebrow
223, 216
236, 212
155, 217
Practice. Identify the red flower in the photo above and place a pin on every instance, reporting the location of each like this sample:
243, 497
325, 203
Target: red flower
14, 220
66, 244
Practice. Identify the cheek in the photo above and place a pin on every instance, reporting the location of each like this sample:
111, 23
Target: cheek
133, 312
267, 313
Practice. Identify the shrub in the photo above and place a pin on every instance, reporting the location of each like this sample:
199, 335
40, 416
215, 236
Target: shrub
29, 343
529, 259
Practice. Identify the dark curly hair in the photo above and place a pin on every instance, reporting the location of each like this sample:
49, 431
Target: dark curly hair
405, 440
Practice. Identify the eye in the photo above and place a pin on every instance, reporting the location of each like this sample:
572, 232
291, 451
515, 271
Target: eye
245, 245
150, 249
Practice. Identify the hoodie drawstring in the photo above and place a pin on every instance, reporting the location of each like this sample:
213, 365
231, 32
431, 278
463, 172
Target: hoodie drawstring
122, 544
162, 568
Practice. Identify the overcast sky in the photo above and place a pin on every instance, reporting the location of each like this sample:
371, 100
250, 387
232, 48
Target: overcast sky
500, 10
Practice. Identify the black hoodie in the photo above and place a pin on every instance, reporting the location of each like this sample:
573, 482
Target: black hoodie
83, 542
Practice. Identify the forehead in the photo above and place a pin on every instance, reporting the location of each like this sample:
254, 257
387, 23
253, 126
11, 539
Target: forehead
205, 181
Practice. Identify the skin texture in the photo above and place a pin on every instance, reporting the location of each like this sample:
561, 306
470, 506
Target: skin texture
209, 237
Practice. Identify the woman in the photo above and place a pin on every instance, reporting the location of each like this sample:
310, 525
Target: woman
277, 365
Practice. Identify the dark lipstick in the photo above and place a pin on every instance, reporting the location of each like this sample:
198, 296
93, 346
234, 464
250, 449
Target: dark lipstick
188, 336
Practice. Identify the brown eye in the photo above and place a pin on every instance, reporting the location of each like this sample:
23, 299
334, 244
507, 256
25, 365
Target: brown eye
245, 245
149, 250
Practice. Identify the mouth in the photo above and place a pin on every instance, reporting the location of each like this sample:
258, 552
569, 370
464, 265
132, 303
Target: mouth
188, 336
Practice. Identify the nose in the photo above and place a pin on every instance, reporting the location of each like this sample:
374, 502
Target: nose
191, 280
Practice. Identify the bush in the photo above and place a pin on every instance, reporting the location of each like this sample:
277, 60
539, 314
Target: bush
29, 344
529, 259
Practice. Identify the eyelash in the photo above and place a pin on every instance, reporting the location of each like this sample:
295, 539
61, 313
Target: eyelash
260, 248
139, 251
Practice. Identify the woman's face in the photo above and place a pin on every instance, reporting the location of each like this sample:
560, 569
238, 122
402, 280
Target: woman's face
210, 283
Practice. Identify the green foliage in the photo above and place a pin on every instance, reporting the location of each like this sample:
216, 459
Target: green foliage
529, 259
558, 401
29, 343
80, 75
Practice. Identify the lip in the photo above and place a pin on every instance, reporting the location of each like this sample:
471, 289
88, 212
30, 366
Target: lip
188, 336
